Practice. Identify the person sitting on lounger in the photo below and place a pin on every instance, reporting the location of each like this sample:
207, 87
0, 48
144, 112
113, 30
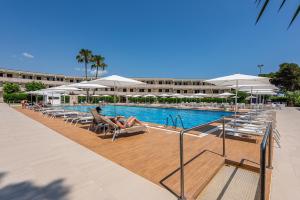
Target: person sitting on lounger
131, 121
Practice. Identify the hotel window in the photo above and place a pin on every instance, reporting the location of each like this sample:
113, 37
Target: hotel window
197, 91
71, 81
38, 78
141, 90
30, 77
184, 91
9, 75
124, 90
178, 91
112, 89
131, 90
149, 90
167, 90
159, 82
1, 74
106, 89
77, 81
215, 91
160, 90
23, 76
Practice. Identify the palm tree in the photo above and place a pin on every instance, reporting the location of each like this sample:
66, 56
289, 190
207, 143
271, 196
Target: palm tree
265, 5
84, 56
98, 61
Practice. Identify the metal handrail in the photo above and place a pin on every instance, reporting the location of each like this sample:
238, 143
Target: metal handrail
180, 118
172, 119
181, 197
267, 139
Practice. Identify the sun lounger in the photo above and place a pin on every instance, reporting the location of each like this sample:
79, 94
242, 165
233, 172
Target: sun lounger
116, 130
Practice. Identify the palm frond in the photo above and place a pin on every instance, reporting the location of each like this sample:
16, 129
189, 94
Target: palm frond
295, 16
258, 2
262, 10
281, 5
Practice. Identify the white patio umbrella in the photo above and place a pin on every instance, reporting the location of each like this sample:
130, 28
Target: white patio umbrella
164, 95
116, 81
200, 95
87, 86
149, 95
238, 79
226, 94
61, 89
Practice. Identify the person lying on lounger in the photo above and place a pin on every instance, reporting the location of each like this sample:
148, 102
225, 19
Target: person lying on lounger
131, 121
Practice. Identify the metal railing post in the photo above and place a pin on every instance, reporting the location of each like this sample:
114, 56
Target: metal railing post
224, 147
270, 166
262, 173
181, 166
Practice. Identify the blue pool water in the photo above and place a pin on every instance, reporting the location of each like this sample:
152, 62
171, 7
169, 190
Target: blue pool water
190, 118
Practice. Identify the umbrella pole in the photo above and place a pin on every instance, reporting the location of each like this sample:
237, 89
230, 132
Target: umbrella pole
236, 106
115, 98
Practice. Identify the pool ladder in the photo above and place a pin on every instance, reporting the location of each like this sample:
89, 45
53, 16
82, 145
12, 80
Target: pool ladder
174, 121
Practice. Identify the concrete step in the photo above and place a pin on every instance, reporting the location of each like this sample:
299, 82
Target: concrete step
231, 183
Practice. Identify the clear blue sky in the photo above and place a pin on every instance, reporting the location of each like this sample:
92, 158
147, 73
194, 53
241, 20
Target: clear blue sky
147, 38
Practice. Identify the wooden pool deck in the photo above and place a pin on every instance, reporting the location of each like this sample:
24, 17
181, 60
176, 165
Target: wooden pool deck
155, 154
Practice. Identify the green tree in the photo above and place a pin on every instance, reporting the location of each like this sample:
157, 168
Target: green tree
33, 86
266, 4
287, 77
10, 88
84, 56
98, 62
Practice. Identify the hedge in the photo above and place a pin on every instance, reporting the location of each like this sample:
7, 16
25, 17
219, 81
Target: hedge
15, 97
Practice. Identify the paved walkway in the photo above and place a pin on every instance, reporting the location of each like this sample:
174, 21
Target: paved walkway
37, 163
286, 173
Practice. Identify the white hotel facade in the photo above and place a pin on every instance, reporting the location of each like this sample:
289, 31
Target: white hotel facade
154, 86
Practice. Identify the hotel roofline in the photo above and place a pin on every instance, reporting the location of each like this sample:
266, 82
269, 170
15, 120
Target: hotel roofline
81, 77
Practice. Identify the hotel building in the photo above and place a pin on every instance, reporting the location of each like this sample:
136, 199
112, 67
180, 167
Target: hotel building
154, 86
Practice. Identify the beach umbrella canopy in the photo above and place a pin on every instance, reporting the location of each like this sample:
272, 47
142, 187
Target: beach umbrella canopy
236, 80
81, 95
149, 95
164, 95
251, 97
200, 95
128, 95
62, 88
116, 81
95, 95
137, 95
86, 85
225, 94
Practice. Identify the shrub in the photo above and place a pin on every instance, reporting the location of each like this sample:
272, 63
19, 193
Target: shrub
33, 86
15, 97
10, 88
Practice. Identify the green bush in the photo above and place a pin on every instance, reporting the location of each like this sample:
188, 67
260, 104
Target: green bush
15, 97
10, 88
278, 99
293, 98
33, 86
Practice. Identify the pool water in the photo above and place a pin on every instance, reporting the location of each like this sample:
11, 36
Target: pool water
190, 118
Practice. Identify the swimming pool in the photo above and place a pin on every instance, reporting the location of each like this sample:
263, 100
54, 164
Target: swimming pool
190, 118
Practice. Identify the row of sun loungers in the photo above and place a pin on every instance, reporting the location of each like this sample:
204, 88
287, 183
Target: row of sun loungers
250, 124
93, 119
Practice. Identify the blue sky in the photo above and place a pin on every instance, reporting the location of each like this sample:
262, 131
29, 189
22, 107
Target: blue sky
148, 38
